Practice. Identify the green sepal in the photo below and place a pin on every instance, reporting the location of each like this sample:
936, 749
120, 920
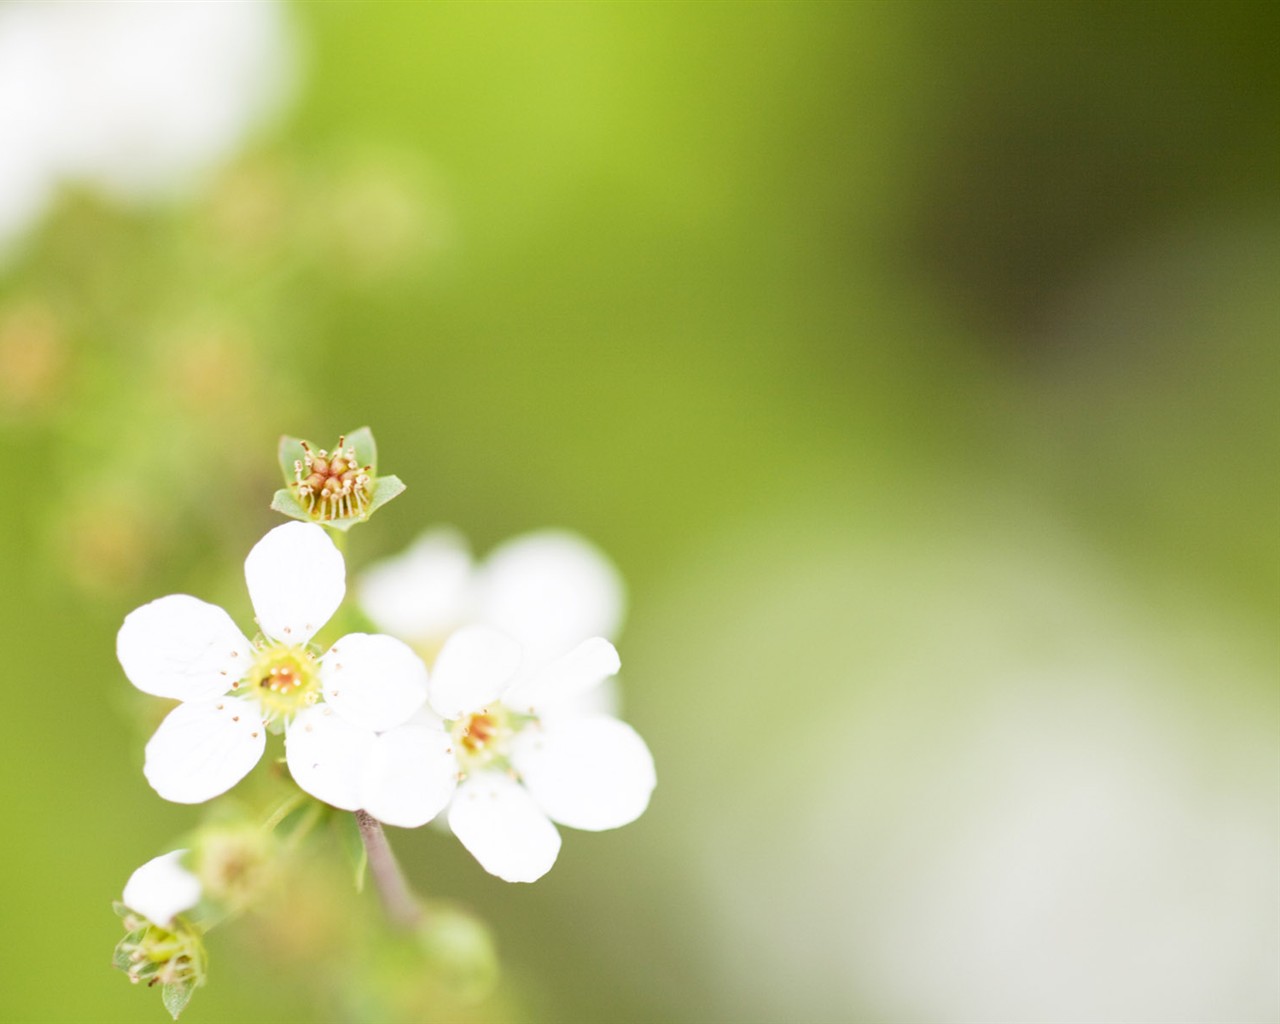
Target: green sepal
120, 956
353, 844
366, 448
175, 996
283, 501
384, 489
289, 452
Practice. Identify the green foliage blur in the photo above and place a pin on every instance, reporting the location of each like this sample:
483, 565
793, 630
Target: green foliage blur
914, 362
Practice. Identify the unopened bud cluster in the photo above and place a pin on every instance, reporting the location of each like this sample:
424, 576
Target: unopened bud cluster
160, 955
235, 863
332, 485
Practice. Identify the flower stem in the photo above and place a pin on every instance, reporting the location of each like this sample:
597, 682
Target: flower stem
300, 831
397, 898
286, 808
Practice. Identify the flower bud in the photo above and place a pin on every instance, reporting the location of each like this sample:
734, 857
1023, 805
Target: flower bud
161, 946
234, 863
336, 488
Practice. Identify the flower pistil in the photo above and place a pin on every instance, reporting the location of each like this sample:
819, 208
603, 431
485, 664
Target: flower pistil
332, 486
284, 679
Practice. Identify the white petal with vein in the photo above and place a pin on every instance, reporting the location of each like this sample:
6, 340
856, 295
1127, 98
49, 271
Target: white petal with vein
424, 592
204, 748
410, 776
587, 665
550, 590
591, 772
372, 680
181, 647
498, 822
473, 670
326, 755
296, 580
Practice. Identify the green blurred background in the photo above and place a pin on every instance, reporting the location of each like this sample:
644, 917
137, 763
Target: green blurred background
917, 365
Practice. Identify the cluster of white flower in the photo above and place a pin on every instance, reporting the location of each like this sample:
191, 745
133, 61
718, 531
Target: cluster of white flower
504, 730
131, 99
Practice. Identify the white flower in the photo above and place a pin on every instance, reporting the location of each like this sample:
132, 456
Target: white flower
549, 590
329, 706
133, 99
520, 750
161, 889
159, 947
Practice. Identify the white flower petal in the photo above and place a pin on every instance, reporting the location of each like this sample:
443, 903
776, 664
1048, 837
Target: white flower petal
499, 823
587, 665
296, 580
410, 776
549, 590
182, 647
161, 888
327, 755
373, 681
423, 593
592, 772
604, 699
425, 718
473, 669
141, 103
202, 749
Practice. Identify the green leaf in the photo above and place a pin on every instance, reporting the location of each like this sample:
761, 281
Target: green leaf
176, 995
288, 452
366, 448
353, 844
285, 502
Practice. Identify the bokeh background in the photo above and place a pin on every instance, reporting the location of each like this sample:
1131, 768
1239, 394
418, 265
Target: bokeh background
915, 362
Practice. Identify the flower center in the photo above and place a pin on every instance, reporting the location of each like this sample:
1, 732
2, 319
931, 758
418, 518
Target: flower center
284, 680
481, 738
161, 955
332, 486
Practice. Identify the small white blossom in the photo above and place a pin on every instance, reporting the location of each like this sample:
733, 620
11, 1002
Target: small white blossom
133, 99
330, 706
160, 947
549, 590
161, 889
511, 752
